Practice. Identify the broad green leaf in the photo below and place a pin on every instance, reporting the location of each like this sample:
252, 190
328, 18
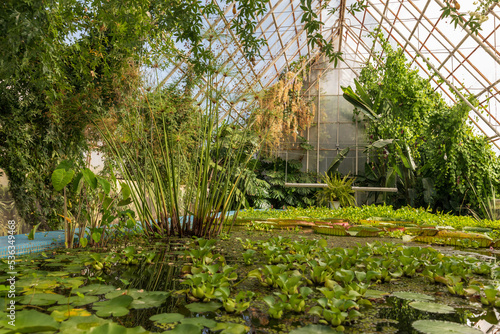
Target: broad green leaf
105, 185
167, 318
185, 329
77, 325
89, 178
200, 322
440, 327
116, 307
30, 321
203, 307
63, 315
41, 299
412, 296
60, 178
113, 328
79, 301
314, 329
432, 307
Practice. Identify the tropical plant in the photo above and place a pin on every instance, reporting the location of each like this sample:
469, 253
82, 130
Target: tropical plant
419, 143
271, 191
338, 189
91, 204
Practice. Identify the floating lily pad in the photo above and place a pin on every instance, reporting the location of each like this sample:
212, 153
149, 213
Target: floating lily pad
112, 328
203, 307
200, 322
432, 307
57, 273
313, 329
412, 296
41, 299
79, 301
95, 289
72, 282
375, 294
167, 318
77, 325
63, 315
440, 327
116, 307
30, 321
149, 299
230, 328
185, 329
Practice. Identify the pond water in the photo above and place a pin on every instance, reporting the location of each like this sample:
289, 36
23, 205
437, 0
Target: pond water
165, 272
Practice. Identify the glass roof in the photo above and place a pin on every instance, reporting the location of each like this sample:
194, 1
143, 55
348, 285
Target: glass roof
456, 62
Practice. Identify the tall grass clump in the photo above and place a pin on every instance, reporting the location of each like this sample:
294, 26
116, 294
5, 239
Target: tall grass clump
178, 189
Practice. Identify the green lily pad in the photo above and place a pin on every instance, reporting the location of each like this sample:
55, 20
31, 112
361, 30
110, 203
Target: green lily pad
375, 294
203, 307
116, 307
440, 327
419, 297
95, 289
63, 315
432, 307
200, 322
148, 299
313, 329
77, 325
112, 328
230, 328
185, 329
79, 301
30, 321
167, 318
41, 299
40, 284
72, 282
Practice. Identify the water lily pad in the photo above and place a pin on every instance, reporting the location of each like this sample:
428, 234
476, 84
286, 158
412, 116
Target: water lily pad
79, 301
63, 315
72, 282
30, 321
200, 322
95, 289
112, 328
77, 325
148, 299
167, 318
230, 328
116, 307
203, 307
185, 329
432, 307
313, 329
440, 327
375, 294
41, 299
412, 296
57, 273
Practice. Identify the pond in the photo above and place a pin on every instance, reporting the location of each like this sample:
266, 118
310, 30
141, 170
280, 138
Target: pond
258, 282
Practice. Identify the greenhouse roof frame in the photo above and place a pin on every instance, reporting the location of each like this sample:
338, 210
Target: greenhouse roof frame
457, 62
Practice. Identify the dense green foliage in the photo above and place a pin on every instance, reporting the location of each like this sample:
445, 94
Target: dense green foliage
271, 192
422, 145
66, 64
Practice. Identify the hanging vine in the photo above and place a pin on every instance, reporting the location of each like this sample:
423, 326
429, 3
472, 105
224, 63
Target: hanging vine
283, 111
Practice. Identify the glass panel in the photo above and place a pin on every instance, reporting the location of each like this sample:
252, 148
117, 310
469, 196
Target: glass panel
347, 135
329, 83
329, 108
346, 110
